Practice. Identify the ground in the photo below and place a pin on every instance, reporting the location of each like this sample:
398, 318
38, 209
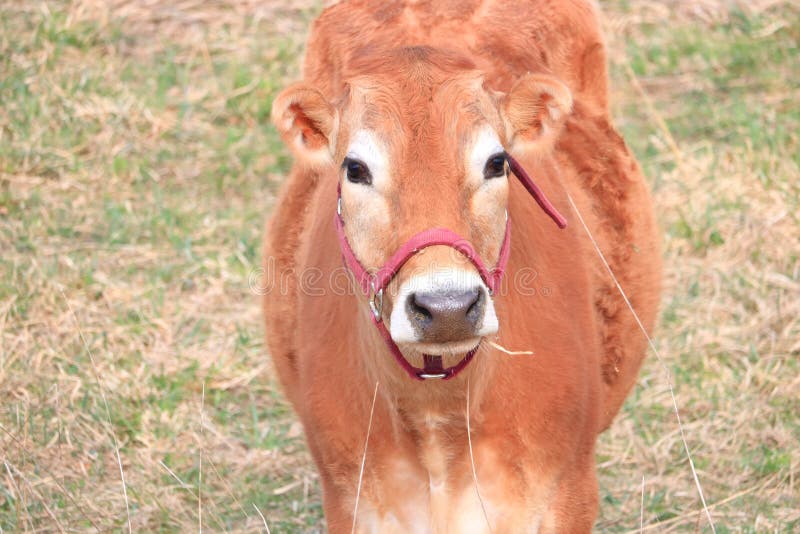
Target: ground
137, 165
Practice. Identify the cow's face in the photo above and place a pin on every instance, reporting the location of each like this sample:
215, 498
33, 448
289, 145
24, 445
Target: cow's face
420, 143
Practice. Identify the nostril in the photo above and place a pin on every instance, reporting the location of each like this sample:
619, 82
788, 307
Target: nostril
418, 312
475, 310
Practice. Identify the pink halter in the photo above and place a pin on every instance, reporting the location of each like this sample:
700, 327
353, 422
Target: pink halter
373, 286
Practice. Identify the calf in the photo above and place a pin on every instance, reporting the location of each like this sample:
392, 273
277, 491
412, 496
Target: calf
437, 147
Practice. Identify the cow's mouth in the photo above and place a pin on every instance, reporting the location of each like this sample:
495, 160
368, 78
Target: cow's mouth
445, 350
444, 355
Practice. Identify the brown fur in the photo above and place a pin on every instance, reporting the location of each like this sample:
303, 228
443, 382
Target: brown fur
534, 419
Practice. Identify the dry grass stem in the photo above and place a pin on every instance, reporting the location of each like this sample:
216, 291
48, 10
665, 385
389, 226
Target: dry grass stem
509, 352
200, 464
364, 458
102, 389
263, 519
667, 374
472, 464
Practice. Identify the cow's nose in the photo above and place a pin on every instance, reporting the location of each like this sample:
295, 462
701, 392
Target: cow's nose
444, 316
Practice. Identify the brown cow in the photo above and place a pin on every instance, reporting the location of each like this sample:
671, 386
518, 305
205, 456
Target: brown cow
415, 111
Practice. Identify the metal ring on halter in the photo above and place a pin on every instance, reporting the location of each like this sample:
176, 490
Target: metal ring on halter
376, 302
430, 376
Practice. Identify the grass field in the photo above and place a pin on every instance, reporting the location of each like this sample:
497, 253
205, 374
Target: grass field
137, 166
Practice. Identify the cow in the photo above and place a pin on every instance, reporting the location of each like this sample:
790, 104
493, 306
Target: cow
445, 329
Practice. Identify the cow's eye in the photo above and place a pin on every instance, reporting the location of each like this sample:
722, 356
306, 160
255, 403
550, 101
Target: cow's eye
357, 172
495, 166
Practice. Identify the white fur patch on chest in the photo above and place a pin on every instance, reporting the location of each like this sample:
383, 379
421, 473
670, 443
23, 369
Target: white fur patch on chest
433, 512
426, 501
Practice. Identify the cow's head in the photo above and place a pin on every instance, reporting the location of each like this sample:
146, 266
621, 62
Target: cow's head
419, 141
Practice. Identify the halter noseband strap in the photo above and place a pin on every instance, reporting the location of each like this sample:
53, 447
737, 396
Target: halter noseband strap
373, 286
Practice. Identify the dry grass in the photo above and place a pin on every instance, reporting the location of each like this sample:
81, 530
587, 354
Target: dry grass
136, 169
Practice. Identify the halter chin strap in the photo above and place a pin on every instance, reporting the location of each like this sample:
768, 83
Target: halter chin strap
374, 286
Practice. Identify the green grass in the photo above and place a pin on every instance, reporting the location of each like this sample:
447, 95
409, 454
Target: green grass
714, 80
137, 167
132, 182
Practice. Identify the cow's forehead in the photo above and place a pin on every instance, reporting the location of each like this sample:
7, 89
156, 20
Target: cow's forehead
444, 114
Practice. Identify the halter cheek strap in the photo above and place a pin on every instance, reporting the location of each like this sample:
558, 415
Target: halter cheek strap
373, 286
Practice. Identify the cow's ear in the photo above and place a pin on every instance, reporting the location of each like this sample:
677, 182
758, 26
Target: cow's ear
307, 123
534, 111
